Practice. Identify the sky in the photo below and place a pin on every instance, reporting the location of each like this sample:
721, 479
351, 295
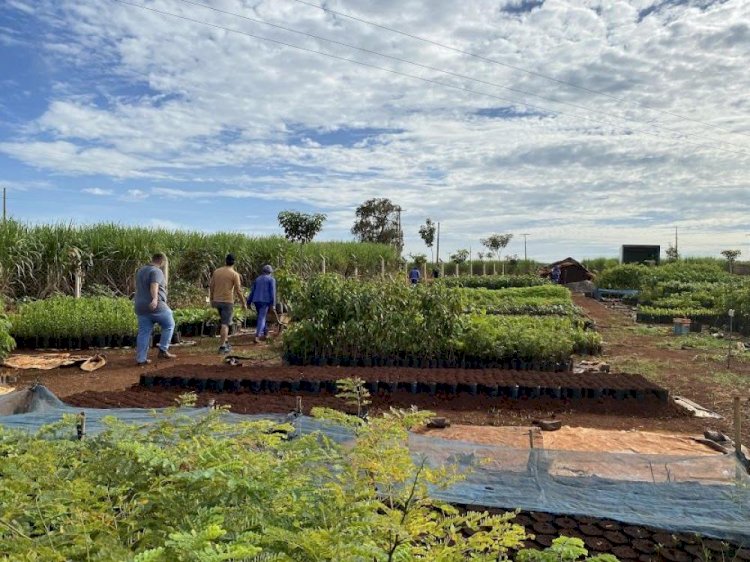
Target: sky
583, 124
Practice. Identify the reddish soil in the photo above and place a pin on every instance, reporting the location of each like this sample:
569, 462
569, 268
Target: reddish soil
463, 408
690, 373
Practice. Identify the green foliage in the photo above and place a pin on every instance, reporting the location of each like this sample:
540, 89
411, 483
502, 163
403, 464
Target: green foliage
495, 281
377, 221
496, 243
598, 265
198, 489
627, 276
7, 343
354, 392
68, 317
530, 338
541, 300
339, 317
563, 549
36, 260
427, 232
460, 256
301, 227
641, 277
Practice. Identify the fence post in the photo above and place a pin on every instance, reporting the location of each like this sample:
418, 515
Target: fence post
484, 267
442, 270
79, 283
737, 427
382, 266
457, 271
494, 268
324, 264
424, 271
356, 272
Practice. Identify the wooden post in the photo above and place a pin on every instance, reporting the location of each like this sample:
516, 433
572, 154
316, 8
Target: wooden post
442, 270
484, 267
324, 264
457, 270
356, 272
737, 427
494, 268
79, 283
382, 266
424, 271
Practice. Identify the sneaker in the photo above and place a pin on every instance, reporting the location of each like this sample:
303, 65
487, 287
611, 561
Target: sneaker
143, 363
164, 354
223, 349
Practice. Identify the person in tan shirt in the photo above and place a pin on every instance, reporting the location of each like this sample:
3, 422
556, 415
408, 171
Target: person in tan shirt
225, 284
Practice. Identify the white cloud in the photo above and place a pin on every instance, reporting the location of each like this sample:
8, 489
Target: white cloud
214, 114
98, 191
134, 195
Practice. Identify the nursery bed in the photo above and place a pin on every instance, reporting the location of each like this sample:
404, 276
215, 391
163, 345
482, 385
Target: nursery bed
490, 382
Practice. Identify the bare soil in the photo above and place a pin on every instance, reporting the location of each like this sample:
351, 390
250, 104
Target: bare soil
701, 376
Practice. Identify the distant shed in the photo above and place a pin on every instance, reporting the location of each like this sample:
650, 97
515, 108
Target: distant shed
634, 253
571, 271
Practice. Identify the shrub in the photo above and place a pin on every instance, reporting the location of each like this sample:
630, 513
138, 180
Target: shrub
495, 281
7, 343
68, 317
187, 488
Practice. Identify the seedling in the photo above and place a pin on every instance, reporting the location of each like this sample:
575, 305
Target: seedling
355, 393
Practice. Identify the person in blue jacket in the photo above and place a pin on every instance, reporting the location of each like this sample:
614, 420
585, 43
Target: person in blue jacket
414, 275
263, 297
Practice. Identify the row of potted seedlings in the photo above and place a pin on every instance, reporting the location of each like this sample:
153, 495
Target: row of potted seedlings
514, 392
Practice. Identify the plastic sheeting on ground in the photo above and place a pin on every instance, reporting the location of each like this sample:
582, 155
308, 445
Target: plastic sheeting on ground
709, 495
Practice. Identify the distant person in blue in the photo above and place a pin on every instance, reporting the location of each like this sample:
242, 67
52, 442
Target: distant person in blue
555, 274
151, 308
263, 297
414, 275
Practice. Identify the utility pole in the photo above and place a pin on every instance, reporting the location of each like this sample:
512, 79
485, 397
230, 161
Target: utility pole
437, 251
525, 256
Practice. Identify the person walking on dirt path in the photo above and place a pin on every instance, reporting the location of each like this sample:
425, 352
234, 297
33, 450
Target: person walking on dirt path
225, 284
263, 297
414, 275
151, 308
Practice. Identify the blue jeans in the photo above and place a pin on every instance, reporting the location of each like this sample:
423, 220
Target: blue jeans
146, 326
261, 329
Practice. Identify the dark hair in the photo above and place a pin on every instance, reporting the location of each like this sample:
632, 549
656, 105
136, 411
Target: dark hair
230, 259
158, 257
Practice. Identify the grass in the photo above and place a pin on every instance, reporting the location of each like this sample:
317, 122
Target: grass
729, 379
650, 368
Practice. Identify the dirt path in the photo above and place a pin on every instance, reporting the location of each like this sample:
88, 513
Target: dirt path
693, 367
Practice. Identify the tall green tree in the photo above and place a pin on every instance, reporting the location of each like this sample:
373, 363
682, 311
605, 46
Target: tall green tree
496, 243
427, 234
731, 257
301, 227
460, 256
378, 220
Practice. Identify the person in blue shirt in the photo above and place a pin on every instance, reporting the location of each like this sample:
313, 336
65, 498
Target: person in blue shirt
414, 275
263, 297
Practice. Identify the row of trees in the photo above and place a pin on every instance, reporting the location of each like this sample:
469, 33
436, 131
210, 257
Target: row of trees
379, 220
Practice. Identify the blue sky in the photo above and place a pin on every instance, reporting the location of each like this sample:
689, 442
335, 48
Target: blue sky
112, 112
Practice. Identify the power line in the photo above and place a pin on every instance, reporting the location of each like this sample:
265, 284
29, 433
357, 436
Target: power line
399, 73
447, 72
513, 67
